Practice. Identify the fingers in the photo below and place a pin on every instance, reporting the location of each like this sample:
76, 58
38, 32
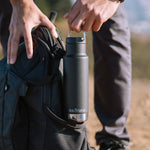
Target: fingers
86, 22
87, 26
13, 43
83, 16
77, 23
28, 42
15, 35
9, 49
73, 13
97, 24
46, 22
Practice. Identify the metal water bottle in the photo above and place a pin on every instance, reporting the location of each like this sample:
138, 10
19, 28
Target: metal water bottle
76, 79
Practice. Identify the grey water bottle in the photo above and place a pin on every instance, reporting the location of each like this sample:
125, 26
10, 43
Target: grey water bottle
76, 79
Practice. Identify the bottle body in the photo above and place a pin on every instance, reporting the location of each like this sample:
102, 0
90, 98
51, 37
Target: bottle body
76, 80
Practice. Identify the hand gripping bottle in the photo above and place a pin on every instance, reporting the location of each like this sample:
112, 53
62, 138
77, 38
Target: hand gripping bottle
76, 79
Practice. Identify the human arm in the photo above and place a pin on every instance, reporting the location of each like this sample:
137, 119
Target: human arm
25, 16
90, 14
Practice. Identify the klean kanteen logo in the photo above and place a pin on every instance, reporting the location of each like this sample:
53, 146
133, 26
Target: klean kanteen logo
77, 110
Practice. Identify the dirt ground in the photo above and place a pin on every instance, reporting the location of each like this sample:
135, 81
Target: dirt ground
138, 123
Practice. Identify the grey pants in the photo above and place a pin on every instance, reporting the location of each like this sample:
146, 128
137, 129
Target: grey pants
112, 72
112, 63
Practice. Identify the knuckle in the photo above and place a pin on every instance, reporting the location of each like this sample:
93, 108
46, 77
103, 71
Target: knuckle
99, 18
50, 27
95, 13
82, 2
43, 18
88, 7
75, 28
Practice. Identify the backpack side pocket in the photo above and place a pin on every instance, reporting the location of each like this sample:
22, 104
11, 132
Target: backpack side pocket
13, 87
59, 133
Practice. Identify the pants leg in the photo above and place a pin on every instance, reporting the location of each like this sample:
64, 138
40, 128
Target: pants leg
5, 15
112, 71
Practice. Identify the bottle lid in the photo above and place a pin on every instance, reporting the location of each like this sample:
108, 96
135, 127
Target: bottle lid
76, 39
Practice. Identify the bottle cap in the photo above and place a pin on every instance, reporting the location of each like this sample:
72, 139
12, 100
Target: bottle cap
76, 39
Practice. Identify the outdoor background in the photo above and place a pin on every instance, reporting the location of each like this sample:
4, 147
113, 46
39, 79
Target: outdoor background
138, 14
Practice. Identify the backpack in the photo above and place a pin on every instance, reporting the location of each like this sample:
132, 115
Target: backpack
31, 100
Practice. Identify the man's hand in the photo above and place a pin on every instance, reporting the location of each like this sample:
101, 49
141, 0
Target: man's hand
25, 16
90, 14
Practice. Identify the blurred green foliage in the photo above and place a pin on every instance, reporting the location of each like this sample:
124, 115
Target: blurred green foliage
61, 6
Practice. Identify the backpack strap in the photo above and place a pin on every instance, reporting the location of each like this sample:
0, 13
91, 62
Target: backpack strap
59, 120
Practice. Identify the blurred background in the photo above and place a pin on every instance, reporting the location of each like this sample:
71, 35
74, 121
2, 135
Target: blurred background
138, 15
